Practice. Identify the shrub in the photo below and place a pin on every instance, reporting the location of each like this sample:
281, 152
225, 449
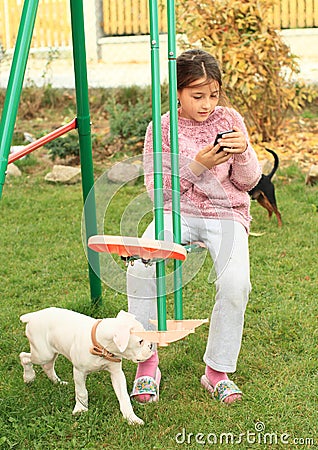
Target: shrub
64, 146
128, 122
129, 113
258, 67
67, 146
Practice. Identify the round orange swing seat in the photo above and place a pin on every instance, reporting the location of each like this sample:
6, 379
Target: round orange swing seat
146, 249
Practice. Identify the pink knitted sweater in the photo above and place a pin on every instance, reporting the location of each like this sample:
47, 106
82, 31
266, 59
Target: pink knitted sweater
217, 193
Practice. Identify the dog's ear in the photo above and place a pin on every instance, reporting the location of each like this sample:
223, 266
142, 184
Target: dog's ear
121, 338
126, 316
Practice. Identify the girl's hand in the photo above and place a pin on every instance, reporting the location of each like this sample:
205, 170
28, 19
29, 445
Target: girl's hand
234, 142
207, 158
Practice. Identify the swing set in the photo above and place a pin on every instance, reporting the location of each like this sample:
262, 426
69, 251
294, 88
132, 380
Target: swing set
129, 248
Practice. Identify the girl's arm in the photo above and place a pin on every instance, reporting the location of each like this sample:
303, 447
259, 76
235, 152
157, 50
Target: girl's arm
246, 170
187, 177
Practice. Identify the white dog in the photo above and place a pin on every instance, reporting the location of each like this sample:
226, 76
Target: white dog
90, 344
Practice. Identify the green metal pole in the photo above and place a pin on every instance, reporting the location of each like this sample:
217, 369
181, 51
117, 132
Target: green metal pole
157, 160
15, 83
175, 179
84, 131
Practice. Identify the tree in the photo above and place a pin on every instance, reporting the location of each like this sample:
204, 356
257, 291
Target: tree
258, 67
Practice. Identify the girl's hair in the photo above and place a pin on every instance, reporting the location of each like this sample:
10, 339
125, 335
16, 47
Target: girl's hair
195, 64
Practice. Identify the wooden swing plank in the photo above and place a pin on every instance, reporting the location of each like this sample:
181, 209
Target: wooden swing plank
184, 324
163, 338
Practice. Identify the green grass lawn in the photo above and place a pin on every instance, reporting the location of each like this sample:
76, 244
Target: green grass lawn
44, 264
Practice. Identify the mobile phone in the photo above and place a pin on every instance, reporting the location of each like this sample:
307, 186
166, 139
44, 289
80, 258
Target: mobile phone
219, 136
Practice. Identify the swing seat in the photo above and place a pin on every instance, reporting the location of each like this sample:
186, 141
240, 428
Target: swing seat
146, 249
178, 325
163, 338
176, 330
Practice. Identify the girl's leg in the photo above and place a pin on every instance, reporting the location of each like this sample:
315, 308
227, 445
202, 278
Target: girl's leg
142, 297
141, 293
141, 282
228, 245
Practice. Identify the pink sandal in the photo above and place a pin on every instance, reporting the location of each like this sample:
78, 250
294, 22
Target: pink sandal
147, 385
222, 390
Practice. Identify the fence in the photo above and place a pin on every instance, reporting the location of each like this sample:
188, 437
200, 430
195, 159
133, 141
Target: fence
52, 27
130, 17
295, 14
123, 17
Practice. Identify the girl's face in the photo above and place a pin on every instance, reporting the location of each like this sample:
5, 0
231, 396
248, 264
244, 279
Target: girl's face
198, 102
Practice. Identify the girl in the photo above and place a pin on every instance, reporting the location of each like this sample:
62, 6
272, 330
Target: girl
214, 182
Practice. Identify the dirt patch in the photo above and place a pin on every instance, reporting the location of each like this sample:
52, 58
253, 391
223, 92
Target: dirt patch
298, 143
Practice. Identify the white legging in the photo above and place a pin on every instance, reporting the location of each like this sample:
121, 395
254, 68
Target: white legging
227, 242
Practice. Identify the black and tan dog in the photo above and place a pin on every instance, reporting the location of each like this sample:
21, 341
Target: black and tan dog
264, 191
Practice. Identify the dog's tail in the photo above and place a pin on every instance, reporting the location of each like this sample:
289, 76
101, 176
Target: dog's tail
41, 312
25, 318
276, 162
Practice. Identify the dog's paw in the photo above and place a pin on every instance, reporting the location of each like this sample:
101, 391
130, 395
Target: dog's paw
134, 420
28, 371
29, 377
79, 408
